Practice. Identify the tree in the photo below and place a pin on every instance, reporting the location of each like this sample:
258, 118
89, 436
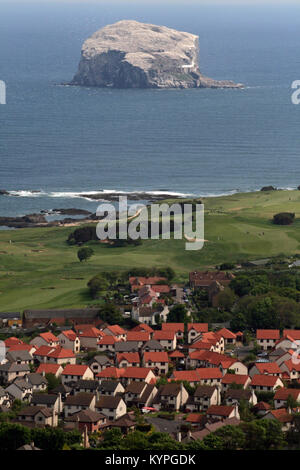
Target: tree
85, 253
53, 381
97, 285
283, 218
177, 314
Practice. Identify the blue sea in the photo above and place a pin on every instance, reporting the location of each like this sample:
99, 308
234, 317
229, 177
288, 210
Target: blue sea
63, 141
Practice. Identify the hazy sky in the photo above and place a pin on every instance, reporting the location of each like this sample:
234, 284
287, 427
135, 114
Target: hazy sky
183, 2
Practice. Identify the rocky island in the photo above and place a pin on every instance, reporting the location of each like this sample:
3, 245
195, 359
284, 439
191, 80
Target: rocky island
129, 54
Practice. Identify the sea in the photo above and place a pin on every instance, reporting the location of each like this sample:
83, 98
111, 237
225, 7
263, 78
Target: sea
58, 142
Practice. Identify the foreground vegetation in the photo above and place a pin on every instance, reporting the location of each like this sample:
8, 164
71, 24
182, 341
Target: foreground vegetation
39, 269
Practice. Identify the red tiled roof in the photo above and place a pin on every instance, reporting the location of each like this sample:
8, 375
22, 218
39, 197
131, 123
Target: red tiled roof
284, 393
294, 334
136, 372
291, 365
138, 336
111, 372
131, 357
156, 357
49, 337
235, 378
267, 334
60, 353
48, 368
91, 332
199, 327
22, 347
116, 329
186, 375
268, 368
263, 406
220, 410
281, 415
143, 327
107, 339
175, 354
12, 341
43, 351
264, 380
70, 334
75, 369
209, 373
175, 327
164, 335
194, 418
227, 334
161, 289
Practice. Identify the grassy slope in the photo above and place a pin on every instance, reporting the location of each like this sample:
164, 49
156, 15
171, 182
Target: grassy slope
53, 277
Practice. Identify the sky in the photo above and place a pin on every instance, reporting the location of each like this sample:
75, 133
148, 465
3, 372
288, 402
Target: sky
183, 2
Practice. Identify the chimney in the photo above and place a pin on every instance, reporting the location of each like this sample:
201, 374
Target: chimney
86, 443
178, 436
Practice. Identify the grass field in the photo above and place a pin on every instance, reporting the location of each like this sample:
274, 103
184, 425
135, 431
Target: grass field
38, 269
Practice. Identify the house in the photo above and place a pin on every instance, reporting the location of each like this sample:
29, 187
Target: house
137, 282
45, 339
261, 408
196, 421
106, 343
204, 279
131, 359
167, 339
229, 337
291, 367
89, 337
117, 331
223, 412
210, 376
85, 386
20, 389
172, 396
10, 319
140, 337
74, 372
203, 398
139, 394
150, 315
196, 331
230, 380
78, 402
283, 394
282, 416
68, 339
9, 371
93, 421
12, 341
152, 346
190, 376
113, 407
236, 396
159, 361
46, 368
109, 373
22, 347
37, 416
268, 368
98, 363
33, 318
111, 388
4, 398
55, 355
19, 357
138, 374
126, 346
53, 402
265, 383
143, 327
267, 339
38, 382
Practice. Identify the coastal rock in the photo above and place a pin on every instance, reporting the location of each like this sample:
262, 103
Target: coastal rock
3, 192
268, 188
129, 54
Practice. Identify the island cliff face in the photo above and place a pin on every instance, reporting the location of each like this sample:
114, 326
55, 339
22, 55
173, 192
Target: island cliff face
129, 54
